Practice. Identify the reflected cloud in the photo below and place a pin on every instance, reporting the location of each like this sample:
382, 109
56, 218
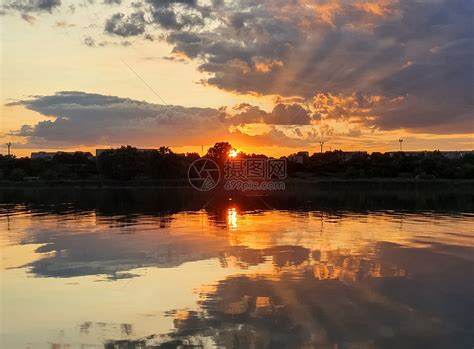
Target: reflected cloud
359, 302
231, 271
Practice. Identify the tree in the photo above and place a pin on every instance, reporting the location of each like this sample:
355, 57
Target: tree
165, 150
17, 174
219, 151
119, 163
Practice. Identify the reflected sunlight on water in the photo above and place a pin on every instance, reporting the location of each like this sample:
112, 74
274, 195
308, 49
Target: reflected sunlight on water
231, 277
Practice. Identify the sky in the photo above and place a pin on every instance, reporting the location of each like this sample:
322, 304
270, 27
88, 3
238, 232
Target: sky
269, 76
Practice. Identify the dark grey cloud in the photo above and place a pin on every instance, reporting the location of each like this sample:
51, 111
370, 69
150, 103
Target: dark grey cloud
28, 18
293, 114
63, 24
89, 41
80, 118
282, 114
171, 58
122, 25
88, 118
417, 52
178, 14
167, 14
167, 3
32, 5
169, 19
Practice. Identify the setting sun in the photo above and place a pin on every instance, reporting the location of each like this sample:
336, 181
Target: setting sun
233, 153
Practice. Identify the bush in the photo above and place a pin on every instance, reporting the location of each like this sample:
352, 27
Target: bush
425, 176
17, 174
49, 175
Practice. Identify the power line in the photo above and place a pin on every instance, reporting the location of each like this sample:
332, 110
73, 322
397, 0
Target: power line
146, 84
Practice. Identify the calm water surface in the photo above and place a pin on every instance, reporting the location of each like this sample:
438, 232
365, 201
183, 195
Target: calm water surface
167, 270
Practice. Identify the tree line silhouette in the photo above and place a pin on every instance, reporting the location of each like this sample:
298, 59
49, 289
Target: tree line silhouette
129, 163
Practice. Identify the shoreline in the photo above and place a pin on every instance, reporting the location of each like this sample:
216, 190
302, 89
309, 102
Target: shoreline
290, 183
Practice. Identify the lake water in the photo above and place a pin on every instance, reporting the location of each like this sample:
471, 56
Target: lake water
178, 269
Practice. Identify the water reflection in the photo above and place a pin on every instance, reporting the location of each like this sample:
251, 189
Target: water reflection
360, 303
232, 218
132, 271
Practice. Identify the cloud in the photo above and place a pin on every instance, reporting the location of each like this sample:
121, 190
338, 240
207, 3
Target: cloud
386, 64
282, 114
419, 52
79, 118
273, 137
292, 114
26, 6
75, 119
29, 18
91, 42
178, 14
88, 41
122, 25
63, 24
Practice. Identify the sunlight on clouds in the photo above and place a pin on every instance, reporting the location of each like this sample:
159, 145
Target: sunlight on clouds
354, 73
324, 11
378, 8
264, 65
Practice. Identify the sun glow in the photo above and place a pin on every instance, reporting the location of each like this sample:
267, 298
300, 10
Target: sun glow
233, 153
